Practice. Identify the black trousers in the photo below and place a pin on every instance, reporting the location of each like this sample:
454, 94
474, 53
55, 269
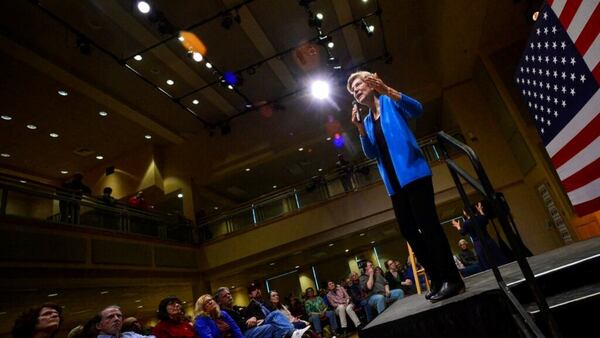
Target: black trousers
414, 207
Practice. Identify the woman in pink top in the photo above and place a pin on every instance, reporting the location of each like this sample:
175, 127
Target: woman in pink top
340, 301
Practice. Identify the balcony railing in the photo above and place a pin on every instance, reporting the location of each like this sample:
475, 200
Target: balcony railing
310, 192
28, 199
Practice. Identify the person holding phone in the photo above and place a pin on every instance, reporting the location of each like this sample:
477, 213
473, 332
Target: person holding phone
386, 137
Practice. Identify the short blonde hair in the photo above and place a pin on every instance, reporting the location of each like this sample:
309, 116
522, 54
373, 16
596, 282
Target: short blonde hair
199, 308
357, 75
463, 241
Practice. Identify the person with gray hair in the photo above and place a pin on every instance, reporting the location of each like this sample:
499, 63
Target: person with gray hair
386, 136
467, 259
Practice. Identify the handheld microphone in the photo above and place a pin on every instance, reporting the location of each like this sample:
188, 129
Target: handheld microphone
355, 104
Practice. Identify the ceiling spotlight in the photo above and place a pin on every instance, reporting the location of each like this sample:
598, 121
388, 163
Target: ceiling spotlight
248, 105
195, 102
53, 295
319, 16
361, 234
347, 250
372, 242
99, 157
64, 172
6, 117
328, 139
197, 56
208, 65
143, 7
170, 82
297, 266
148, 137
247, 169
320, 169
5, 155
369, 29
330, 44
300, 149
337, 67
180, 38
320, 89
274, 187
331, 244
365, 1
216, 208
23, 181
180, 195
54, 135
230, 87
140, 306
102, 113
137, 57
63, 93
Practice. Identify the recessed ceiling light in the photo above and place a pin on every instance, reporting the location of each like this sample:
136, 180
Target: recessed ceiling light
208, 65
137, 301
272, 263
140, 306
372, 242
5, 155
102, 113
137, 57
331, 244
64, 172
31, 126
362, 234
195, 102
330, 44
143, 7
148, 137
180, 195
54, 135
104, 292
319, 16
230, 87
180, 38
247, 169
300, 149
328, 139
63, 93
248, 105
297, 266
216, 208
274, 187
99, 157
170, 82
197, 57
347, 250
52, 294
320, 169
6, 117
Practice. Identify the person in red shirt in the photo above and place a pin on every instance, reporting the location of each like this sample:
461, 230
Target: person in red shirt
173, 323
137, 201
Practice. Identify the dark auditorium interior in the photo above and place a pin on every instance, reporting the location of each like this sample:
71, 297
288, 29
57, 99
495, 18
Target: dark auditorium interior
234, 153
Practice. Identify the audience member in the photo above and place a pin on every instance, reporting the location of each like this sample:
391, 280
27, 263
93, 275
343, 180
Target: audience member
172, 321
40, 322
108, 323
358, 296
275, 305
211, 322
132, 324
377, 288
339, 299
138, 201
297, 308
396, 279
107, 197
468, 259
70, 205
317, 311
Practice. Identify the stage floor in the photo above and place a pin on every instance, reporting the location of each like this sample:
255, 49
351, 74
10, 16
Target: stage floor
405, 312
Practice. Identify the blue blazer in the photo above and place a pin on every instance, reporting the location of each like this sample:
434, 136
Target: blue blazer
207, 328
407, 158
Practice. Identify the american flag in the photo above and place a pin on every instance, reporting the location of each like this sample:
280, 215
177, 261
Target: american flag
558, 76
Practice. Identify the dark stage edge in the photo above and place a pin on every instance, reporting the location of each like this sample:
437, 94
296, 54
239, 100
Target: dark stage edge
483, 310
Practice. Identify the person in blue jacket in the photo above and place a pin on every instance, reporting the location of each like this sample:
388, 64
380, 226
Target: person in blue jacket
211, 322
386, 137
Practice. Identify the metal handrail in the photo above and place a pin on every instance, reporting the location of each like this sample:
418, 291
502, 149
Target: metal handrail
483, 185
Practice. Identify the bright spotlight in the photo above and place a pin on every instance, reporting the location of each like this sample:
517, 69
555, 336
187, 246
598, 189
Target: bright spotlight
143, 7
320, 89
197, 57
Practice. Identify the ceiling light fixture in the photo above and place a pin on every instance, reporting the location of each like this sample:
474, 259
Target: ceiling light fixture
347, 250
5, 155
300, 149
170, 82
180, 38
137, 57
180, 195
148, 137
143, 7
362, 234
64, 172
297, 266
195, 102
54, 135
102, 113
247, 169
320, 89
197, 56
320, 169
63, 93
319, 16
331, 244
328, 139
216, 208
52, 294
99, 157
372, 242
274, 187
330, 44
6, 117
208, 65
369, 29
31, 126
230, 87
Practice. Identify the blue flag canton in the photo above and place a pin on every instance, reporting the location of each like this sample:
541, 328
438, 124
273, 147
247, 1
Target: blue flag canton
553, 78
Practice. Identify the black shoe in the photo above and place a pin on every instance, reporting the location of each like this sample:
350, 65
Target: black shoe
448, 289
432, 291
